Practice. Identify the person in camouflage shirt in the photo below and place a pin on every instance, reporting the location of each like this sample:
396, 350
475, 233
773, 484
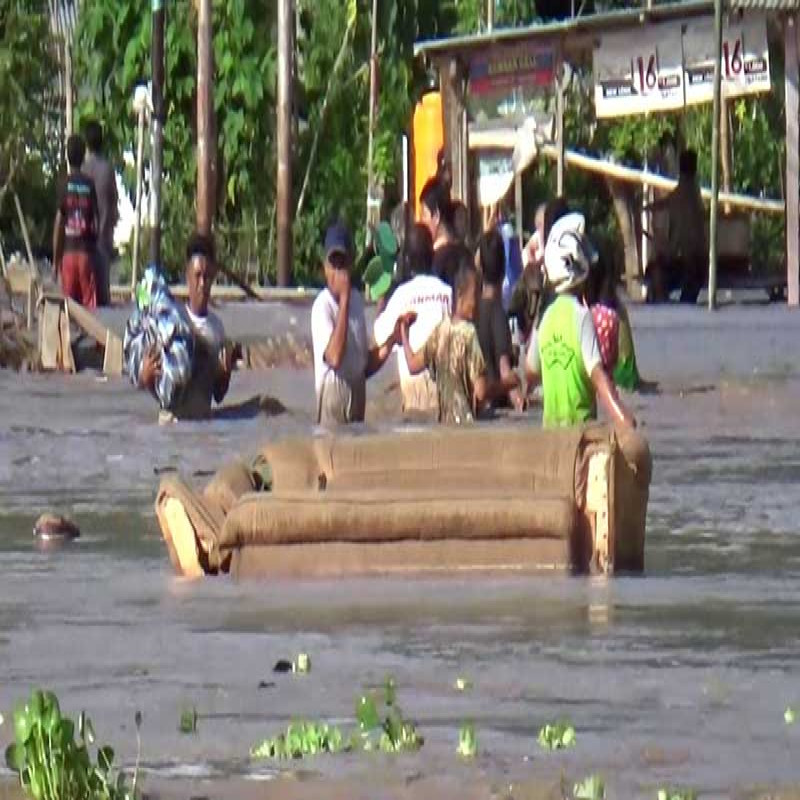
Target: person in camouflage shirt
453, 355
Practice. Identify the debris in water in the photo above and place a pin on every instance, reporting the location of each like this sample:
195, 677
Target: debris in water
788, 716
591, 788
463, 684
55, 528
188, 723
282, 665
303, 663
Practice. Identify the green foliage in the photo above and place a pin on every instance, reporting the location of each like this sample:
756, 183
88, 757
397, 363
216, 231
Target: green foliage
188, 721
51, 764
29, 152
671, 793
789, 716
112, 48
467, 742
301, 739
382, 725
557, 736
591, 788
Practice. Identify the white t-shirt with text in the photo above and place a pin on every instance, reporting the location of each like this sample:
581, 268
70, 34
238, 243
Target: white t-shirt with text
426, 295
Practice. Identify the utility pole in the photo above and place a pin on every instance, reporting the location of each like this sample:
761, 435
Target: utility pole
206, 138
158, 119
712, 228
489, 15
372, 217
284, 188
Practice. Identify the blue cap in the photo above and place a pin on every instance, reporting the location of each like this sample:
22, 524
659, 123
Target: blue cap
338, 240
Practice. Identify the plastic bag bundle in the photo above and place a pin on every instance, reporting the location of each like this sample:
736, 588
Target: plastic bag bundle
161, 322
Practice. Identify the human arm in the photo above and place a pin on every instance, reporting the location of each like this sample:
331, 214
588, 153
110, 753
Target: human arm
417, 362
337, 344
609, 398
503, 347
223, 380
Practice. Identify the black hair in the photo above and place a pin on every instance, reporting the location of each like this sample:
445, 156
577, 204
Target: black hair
553, 211
466, 272
417, 252
200, 244
493, 257
434, 198
687, 163
76, 150
94, 136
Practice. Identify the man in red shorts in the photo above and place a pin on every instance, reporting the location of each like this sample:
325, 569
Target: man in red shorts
75, 230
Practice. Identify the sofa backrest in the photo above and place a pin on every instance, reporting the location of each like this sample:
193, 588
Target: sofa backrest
444, 460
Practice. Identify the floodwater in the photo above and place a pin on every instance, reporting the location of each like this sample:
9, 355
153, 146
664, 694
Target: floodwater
677, 677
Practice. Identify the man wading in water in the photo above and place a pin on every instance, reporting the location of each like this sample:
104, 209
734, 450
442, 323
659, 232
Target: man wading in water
213, 359
343, 359
565, 353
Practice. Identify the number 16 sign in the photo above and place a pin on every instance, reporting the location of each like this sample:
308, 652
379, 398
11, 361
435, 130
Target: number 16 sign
745, 58
639, 74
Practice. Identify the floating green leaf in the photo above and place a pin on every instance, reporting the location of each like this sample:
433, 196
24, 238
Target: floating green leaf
463, 684
788, 716
188, 722
367, 713
467, 742
303, 663
671, 793
557, 736
591, 788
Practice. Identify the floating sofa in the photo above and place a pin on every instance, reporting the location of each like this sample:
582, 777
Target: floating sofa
495, 498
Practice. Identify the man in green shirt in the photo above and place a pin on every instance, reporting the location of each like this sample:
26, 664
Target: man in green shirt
565, 354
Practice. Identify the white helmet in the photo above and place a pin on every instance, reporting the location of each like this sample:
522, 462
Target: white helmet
569, 254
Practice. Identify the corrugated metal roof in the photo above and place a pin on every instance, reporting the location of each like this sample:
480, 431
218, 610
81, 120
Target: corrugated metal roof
593, 23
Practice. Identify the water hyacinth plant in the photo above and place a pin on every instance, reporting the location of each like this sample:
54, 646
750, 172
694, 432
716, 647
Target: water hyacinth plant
557, 736
301, 739
51, 764
676, 794
591, 788
467, 742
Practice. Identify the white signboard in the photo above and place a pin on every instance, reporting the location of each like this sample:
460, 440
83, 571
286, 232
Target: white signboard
745, 58
636, 73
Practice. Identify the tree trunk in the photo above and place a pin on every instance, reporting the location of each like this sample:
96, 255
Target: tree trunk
624, 207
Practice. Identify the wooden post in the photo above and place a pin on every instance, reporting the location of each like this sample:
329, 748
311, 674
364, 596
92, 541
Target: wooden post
455, 127
68, 100
559, 131
792, 159
489, 15
712, 247
284, 188
373, 206
206, 156
159, 118
137, 224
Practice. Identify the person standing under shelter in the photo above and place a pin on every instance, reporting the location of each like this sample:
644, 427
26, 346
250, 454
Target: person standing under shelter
437, 216
430, 299
565, 353
75, 230
100, 171
343, 358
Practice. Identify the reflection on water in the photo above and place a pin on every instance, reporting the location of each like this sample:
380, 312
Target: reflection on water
677, 677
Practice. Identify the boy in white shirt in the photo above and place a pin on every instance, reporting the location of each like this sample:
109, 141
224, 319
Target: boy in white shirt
430, 299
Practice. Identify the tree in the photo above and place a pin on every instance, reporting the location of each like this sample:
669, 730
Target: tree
28, 159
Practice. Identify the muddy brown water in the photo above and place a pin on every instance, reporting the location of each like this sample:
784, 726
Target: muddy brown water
677, 677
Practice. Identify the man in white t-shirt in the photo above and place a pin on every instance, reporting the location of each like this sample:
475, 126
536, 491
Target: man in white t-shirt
343, 358
430, 299
213, 359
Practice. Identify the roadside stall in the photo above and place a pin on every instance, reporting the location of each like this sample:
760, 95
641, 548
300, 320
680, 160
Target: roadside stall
644, 60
